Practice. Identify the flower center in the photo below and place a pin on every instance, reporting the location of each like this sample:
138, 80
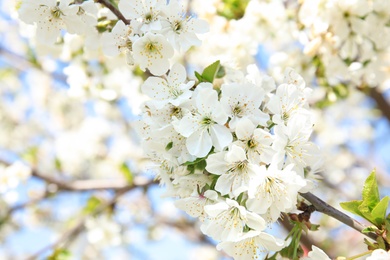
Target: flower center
177, 26
206, 121
176, 111
239, 166
238, 110
252, 143
56, 12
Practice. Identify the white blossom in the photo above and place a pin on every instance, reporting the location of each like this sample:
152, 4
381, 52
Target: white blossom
274, 191
379, 254
145, 11
180, 30
251, 244
152, 51
235, 170
194, 205
243, 101
50, 18
316, 254
256, 142
226, 220
204, 128
172, 90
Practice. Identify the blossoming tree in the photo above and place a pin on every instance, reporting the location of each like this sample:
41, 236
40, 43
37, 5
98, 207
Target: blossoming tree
242, 110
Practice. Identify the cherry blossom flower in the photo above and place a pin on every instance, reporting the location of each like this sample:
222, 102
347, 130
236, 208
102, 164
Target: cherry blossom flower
146, 11
316, 254
226, 220
292, 142
50, 18
194, 205
204, 127
256, 141
180, 30
172, 90
251, 244
120, 40
236, 172
274, 191
243, 101
378, 254
152, 51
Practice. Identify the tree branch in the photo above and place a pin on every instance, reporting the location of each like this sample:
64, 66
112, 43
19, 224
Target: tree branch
79, 227
113, 9
85, 185
82, 185
381, 102
323, 207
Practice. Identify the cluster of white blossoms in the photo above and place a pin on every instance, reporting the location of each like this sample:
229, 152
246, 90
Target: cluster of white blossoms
350, 38
52, 16
12, 175
148, 35
155, 30
235, 154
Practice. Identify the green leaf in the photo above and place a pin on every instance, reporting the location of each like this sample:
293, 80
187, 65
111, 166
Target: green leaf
352, 206
370, 229
125, 170
232, 9
366, 212
198, 164
60, 254
379, 212
221, 72
92, 204
370, 191
198, 76
211, 72
314, 227
58, 164
201, 165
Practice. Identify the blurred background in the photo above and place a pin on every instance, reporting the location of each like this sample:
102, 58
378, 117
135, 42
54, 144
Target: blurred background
74, 182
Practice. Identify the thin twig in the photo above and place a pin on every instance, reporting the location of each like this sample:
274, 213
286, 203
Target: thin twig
114, 10
322, 206
73, 232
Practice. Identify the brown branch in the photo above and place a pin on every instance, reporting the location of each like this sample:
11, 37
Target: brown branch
22, 64
82, 185
114, 10
79, 227
323, 207
381, 103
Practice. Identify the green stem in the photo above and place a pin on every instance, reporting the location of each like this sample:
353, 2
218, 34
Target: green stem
359, 255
